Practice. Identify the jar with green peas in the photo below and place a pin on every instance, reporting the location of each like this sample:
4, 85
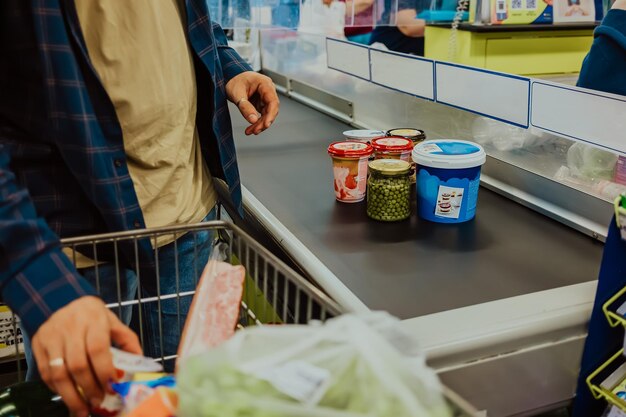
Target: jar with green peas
389, 190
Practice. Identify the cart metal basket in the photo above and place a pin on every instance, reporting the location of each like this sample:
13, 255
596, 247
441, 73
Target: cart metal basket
274, 293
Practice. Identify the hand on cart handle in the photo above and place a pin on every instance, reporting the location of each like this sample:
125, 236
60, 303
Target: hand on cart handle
72, 349
255, 96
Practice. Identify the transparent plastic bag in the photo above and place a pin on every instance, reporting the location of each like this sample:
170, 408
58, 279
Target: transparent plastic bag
350, 366
590, 162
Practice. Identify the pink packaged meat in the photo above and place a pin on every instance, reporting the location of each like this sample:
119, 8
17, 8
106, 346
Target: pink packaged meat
214, 310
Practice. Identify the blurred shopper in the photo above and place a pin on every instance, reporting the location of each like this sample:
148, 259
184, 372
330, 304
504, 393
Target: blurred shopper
604, 68
405, 32
113, 116
360, 20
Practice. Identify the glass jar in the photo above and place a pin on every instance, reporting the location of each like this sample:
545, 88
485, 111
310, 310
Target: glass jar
394, 147
389, 190
415, 135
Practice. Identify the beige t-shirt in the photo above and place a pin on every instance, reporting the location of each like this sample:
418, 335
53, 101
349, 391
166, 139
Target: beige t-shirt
140, 52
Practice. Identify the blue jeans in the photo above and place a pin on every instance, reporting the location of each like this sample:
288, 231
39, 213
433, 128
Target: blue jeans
159, 322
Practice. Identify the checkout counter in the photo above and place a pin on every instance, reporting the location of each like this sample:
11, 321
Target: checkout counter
500, 304
440, 278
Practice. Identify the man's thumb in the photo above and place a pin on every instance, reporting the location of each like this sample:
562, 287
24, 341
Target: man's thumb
123, 337
248, 111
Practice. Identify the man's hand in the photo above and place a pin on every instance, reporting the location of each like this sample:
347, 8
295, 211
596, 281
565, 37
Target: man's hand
72, 351
255, 95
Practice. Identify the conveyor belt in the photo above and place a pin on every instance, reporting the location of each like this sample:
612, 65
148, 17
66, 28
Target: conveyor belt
410, 268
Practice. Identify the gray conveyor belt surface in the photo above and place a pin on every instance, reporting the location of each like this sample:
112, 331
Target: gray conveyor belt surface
410, 268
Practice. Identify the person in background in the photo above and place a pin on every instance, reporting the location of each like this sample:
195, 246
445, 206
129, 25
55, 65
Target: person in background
360, 20
407, 35
113, 116
604, 68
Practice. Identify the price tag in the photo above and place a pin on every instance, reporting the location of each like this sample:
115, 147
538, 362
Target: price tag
620, 214
299, 380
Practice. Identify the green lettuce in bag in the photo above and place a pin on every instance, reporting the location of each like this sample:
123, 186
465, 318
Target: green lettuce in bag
350, 366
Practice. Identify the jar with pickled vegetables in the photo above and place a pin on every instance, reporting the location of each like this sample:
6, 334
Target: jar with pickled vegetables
389, 190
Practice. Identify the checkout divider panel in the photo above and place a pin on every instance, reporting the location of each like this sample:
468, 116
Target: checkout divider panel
584, 115
403, 73
499, 96
570, 112
349, 58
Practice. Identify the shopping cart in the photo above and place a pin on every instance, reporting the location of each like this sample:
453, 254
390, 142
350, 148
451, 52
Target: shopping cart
274, 293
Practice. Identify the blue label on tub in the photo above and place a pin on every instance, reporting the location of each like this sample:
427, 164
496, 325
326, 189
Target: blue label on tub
450, 148
447, 196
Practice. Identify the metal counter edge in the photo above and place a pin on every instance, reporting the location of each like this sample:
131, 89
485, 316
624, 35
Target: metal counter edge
304, 257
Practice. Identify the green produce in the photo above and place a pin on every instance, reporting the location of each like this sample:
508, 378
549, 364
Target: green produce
344, 369
389, 190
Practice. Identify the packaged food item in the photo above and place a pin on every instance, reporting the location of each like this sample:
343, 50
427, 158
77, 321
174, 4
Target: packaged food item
363, 135
448, 179
134, 393
389, 190
162, 402
394, 147
214, 311
620, 170
350, 170
415, 135
127, 365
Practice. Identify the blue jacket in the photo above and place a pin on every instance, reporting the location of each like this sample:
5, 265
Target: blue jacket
62, 162
604, 68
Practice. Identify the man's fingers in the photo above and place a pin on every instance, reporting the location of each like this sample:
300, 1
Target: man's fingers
80, 368
271, 104
123, 337
97, 346
270, 113
67, 390
60, 378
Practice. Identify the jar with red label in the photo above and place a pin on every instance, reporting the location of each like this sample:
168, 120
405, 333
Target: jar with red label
393, 147
350, 170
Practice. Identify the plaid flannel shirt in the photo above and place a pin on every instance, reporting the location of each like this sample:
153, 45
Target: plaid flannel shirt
62, 163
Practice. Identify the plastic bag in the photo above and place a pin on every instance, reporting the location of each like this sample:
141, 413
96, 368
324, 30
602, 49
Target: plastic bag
590, 162
350, 366
215, 307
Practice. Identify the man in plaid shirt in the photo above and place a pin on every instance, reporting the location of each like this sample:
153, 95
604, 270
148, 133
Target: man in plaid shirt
113, 116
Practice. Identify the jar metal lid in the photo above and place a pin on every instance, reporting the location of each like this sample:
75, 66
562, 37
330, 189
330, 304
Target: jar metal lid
392, 144
390, 166
363, 134
407, 132
451, 154
350, 149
